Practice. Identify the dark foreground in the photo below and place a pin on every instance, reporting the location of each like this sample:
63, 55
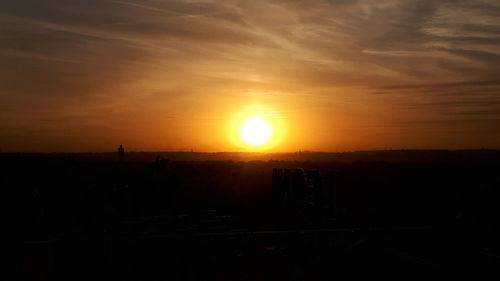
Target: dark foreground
101, 219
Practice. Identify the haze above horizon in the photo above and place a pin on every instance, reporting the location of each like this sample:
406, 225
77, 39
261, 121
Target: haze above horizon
264, 75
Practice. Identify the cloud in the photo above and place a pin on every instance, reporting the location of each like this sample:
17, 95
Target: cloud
93, 57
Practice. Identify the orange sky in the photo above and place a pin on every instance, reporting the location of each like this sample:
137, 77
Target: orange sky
81, 76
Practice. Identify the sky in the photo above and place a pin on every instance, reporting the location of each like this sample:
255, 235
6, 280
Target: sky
88, 75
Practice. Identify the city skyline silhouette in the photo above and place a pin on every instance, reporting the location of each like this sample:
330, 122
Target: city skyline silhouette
251, 140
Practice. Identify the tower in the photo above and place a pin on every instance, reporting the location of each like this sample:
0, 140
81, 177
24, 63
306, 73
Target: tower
121, 153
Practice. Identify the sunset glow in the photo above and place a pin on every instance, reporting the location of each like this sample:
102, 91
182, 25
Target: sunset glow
257, 127
256, 131
83, 76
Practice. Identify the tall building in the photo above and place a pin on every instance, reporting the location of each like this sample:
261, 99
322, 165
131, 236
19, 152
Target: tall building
303, 196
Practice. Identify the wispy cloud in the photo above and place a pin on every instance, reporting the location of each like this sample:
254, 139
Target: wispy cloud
171, 58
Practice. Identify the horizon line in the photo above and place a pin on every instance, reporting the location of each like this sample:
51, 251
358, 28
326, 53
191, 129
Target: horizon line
252, 152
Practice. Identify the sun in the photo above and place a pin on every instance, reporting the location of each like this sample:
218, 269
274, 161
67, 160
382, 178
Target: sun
256, 128
256, 131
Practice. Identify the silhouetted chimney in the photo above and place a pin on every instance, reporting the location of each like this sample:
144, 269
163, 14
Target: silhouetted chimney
121, 153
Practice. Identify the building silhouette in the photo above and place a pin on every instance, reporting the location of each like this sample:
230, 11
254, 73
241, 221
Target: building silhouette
302, 196
121, 153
